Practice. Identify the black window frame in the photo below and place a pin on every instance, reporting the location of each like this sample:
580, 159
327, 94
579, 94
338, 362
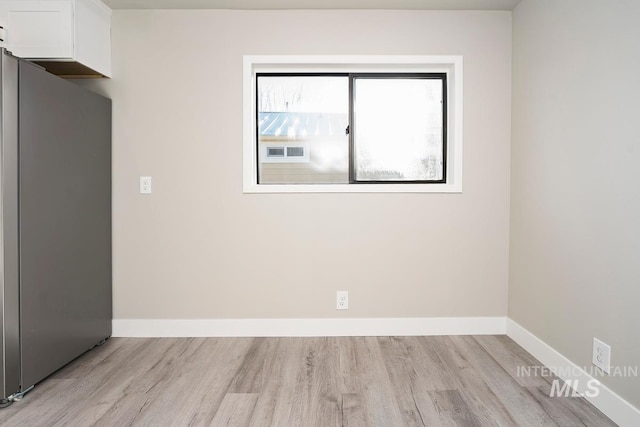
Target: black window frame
442, 76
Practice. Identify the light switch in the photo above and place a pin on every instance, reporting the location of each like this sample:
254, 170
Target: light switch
145, 185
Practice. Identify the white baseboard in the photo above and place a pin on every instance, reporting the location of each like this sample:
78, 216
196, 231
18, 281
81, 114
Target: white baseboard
309, 327
613, 406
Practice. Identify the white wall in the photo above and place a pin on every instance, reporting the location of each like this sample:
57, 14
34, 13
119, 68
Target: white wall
575, 201
200, 248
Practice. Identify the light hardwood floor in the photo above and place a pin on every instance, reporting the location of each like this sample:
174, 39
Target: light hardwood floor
360, 381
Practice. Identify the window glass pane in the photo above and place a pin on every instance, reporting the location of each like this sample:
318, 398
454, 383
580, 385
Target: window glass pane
398, 129
301, 129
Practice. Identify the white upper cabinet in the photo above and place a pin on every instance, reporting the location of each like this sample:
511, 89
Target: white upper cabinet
67, 37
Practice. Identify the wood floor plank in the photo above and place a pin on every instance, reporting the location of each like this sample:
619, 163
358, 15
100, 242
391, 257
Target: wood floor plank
569, 411
453, 409
513, 359
93, 359
479, 396
198, 385
253, 372
352, 411
235, 410
40, 403
308, 390
320, 378
371, 381
278, 371
428, 365
55, 403
347, 360
513, 396
293, 391
118, 393
149, 385
409, 385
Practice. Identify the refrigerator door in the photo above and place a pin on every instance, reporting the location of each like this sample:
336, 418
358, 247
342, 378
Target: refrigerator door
9, 263
65, 221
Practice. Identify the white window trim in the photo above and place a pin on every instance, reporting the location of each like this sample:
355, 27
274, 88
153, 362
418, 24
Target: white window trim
452, 65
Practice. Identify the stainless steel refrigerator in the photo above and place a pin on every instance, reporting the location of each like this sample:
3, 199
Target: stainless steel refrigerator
55, 223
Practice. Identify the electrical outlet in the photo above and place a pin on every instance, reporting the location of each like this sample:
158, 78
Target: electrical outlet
602, 355
342, 300
145, 185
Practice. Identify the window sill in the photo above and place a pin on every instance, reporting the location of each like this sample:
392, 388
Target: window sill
352, 188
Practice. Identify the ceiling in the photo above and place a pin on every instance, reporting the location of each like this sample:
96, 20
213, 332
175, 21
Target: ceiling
315, 4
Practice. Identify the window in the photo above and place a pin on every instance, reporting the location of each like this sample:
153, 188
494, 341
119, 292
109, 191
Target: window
298, 112
353, 124
399, 130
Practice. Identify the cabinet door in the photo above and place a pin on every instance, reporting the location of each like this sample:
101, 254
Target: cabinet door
38, 29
